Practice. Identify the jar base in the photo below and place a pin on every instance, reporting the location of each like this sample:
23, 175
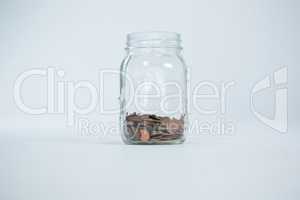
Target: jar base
156, 142
153, 129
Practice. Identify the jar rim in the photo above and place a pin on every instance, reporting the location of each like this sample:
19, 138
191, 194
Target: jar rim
154, 39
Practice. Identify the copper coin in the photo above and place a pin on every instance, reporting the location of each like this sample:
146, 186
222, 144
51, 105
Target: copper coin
144, 135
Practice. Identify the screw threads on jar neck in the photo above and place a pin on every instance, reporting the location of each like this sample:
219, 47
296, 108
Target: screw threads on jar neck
153, 40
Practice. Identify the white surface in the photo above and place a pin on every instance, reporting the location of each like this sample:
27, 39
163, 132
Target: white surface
262, 166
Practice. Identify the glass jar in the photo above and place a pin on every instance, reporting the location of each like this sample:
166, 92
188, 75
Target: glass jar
153, 90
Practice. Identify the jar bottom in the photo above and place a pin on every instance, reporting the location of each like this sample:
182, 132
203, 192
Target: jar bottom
153, 129
166, 142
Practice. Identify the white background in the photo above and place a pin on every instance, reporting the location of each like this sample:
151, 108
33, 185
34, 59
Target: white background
240, 41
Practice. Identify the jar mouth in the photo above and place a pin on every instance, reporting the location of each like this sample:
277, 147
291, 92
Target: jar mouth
153, 39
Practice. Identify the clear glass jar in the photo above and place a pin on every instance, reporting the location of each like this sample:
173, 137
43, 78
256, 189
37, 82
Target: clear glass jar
153, 90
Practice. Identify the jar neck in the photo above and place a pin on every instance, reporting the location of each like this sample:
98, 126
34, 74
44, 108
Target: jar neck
153, 50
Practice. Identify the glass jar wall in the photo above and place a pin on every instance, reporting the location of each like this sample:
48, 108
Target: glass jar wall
153, 90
